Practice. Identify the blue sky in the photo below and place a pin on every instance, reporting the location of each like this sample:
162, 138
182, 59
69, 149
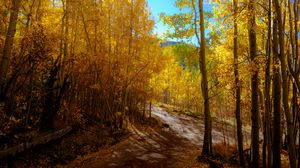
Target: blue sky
168, 7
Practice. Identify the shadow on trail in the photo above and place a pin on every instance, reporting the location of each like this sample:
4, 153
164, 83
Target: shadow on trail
162, 147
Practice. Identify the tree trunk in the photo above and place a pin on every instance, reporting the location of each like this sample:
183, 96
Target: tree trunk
254, 88
267, 127
65, 37
276, 102
296, 13
144, 109
237, 89
150, 106
293, 67
285, 92
9, 40
207, 142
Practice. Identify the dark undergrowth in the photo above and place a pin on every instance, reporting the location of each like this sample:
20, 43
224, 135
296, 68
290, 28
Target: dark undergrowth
81, 141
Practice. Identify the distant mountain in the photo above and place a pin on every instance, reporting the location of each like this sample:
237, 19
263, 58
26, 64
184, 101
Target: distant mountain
168, 43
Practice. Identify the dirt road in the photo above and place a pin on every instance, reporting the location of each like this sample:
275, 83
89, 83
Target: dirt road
170, 145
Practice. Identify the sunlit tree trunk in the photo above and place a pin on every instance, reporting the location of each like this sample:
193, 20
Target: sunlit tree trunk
207, 142
8, 44
254, 87
237, 89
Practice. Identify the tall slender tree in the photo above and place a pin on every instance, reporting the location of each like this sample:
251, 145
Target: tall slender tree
207, 142
239, 130
267, 116
254, 86
285, 91
276, 102
9, 40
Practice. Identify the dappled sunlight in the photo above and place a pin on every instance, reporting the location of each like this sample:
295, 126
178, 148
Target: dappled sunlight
149, 83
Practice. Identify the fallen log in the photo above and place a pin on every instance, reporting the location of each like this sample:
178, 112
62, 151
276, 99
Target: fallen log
39, 141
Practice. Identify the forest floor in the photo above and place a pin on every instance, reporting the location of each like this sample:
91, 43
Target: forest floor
174, 142
169, 138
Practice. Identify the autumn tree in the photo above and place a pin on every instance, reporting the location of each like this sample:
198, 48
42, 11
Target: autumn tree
207, 142
9, 40
238, 88
73, 62
254, 87
267, 149
186, 26
285, 92
276, 101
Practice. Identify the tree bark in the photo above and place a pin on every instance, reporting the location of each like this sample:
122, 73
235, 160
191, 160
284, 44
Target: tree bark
254, 87
276, 102
285, 91
296, 13
150, 107
267, 126
9, 40
65, 37
293, 67
237, 89
207, 142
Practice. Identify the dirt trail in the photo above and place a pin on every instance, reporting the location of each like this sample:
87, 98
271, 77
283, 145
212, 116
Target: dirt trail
168, 146
188, 127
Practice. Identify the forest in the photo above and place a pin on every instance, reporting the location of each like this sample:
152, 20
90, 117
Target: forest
92, 83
